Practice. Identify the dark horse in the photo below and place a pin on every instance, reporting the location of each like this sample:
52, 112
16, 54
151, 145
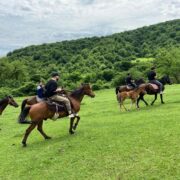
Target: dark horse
125, 87
43, 110
152, 91
5, 101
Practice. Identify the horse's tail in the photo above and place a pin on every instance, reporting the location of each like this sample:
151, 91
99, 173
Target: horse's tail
23, 115
118, 97
117, 90
23, 104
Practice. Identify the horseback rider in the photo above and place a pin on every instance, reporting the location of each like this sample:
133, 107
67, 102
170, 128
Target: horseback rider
152, 79
51, 91
129, 81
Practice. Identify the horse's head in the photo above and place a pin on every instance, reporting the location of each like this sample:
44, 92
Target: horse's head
139, 81
88, 90
11, 101
166, 79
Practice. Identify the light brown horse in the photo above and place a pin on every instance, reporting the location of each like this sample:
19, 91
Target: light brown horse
133, 95
42, 111
8, 100
31, 101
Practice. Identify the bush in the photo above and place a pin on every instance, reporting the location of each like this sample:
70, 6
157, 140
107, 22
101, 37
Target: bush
96, 87
27, 89
119, 79
4, 92
108, 75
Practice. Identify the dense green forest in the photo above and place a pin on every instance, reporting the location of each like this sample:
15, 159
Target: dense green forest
102, 61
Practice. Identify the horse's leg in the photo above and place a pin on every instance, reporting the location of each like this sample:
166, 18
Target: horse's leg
123, 104
120, 105
155, 97
141, 97
40, 129
76, 124
161, 96
137, 102
144, 101
28, 131
132, 102
71, 126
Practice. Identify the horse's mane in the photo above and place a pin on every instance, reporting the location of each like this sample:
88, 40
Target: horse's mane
76, 92
2, 101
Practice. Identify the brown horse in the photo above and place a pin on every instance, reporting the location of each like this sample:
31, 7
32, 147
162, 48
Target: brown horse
5, 101
133, 95
126, 88
42, 111
31, 101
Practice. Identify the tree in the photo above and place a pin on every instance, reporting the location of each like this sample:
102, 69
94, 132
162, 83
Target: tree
168, 62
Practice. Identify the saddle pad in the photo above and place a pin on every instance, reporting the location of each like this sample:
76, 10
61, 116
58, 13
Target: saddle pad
154, 86
56, 107
129, 87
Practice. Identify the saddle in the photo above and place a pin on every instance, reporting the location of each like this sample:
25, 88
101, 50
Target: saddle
129, 87
155, 86
56, 107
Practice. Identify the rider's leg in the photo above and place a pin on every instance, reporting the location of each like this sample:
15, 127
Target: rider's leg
65, 101
160, 85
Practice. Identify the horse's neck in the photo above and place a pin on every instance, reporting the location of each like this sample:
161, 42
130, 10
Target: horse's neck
139, 81
77, 95
162, 81
139, 90
3, 105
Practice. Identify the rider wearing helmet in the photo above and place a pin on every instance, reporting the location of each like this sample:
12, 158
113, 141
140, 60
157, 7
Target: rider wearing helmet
51, 91
129, 81
152, 79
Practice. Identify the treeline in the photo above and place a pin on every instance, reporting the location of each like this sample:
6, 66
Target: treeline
102, 61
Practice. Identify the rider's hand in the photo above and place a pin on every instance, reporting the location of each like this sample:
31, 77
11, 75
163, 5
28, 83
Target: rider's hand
58, 90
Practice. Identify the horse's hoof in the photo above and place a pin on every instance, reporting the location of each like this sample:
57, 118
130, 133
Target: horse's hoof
71, 132
24, 144
48, 137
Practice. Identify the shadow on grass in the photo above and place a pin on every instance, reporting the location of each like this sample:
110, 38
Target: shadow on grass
44, 143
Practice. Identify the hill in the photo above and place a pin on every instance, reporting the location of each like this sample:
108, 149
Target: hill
103, 61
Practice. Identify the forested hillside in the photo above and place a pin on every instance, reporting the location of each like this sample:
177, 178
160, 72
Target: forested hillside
102, 61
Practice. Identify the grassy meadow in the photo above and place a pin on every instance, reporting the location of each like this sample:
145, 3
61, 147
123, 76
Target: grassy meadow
108, 143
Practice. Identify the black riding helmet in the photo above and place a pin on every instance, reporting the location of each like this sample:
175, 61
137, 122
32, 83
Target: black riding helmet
53, 74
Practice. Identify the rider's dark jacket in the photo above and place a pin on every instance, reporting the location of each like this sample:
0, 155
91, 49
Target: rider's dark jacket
128, 80
151, 75
50, 88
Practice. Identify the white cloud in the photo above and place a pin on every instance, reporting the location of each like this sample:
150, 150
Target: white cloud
25, 22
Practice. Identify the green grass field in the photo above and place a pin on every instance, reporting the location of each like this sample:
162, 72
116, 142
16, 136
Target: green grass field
108, 144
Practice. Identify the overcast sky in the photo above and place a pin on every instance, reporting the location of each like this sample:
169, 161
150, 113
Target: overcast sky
27, 22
